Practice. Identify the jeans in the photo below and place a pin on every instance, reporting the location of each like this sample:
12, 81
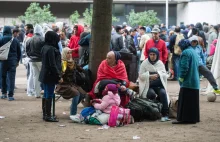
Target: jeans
75, 102
162, 96
49, 90
1, 77
175, 60
138, 60
36, 67
203, 70
8, 68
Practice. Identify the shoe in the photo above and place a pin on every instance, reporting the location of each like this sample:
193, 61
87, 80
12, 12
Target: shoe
217, 91
4, 96
37, 97
11, 98
75, 118
48, 117
164, 119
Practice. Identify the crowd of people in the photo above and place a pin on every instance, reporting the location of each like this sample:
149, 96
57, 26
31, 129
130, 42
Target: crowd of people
56, 56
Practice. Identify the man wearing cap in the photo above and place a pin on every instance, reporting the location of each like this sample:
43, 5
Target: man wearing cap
157, 43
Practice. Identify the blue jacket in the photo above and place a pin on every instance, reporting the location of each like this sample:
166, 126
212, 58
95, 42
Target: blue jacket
188, 69
200, 55
15, 51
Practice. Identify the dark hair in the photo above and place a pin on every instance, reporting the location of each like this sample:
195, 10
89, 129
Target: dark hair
56, 29
124, 26
29, 26
15, 30
31, 31
118, 28
177, 29
126, 31
143, 28
195, 31
217, 29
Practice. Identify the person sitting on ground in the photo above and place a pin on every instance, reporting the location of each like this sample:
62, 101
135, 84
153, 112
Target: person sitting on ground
153, 81
111, 71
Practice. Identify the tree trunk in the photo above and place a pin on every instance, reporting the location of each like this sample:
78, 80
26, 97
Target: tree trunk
101, 33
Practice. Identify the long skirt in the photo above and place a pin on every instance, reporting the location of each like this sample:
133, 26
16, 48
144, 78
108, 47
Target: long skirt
188, 105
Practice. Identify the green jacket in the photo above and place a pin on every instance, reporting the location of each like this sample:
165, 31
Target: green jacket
189, 69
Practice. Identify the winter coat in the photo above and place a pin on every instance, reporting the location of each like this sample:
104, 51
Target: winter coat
73, 44
131, 44
188, 69
160, 45
15, 51
117, 42
212, 37
51, 65
143, 41
107, 102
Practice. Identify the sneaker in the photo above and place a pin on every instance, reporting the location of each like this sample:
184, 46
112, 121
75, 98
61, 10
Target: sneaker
75, 118
164, 119
217, 91
11, 98
4, 96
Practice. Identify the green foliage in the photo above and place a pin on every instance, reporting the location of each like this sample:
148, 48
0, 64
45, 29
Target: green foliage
145, 18
37, 15
74, 17
87, 15
13, 22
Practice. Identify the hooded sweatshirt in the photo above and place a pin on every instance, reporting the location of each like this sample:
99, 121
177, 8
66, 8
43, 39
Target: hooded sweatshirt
35, 45
15, 51
73, 44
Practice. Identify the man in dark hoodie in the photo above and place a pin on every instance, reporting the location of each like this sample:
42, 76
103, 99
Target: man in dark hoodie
201, 33
9, 66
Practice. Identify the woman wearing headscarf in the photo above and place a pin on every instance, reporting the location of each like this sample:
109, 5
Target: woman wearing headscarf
50, 73
153, 81
68, 88
188, 104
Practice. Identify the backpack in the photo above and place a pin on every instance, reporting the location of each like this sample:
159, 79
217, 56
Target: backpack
144, 109
86, 113
177, 49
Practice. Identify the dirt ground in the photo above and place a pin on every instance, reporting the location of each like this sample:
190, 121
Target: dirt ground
23, 123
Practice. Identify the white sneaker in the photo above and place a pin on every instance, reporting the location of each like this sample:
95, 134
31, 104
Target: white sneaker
75, 118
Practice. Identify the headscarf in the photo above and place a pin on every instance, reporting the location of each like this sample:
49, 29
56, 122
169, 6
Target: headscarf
194, 38
38, 30
153, 50
52, 38
117, 56
184, 44
64, 54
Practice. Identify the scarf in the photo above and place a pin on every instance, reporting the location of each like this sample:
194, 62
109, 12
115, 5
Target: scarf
67, 63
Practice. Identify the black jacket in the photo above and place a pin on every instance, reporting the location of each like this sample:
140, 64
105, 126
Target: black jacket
15, 51
131, 45
51, 65
117, 42
34, 47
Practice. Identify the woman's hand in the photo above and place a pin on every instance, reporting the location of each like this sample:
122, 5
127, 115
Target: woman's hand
123, 88
61, 80
154, 76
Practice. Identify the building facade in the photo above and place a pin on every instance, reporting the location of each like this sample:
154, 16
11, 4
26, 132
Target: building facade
187, 11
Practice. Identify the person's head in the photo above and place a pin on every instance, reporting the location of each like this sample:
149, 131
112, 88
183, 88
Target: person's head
184, 44
142, 30
67, 54
38, 30
118, 29
153, 55
171, 33
62, 35
216, 28
195, 31
162, 25
78, 29
191, 26
28, 27
206, 28
125, 32
52, 39
163, 31
112, 58
148, 29
155, 33
15, 32
133, 32
177, 29
199, 26
194, 41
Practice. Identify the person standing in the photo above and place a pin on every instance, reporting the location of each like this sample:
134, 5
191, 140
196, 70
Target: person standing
143, 41
117, 40
188, 102
8, 67
157, 43
50, 73
33, 49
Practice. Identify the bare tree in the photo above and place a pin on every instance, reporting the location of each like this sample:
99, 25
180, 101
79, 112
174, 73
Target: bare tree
101, 33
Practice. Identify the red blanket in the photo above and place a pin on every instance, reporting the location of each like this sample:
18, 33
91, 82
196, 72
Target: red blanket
107, 72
